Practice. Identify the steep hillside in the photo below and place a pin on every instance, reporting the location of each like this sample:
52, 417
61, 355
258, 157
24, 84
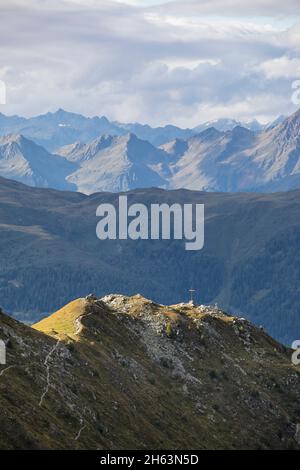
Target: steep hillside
24, 161
126, 373
241, 160
117, 164
249, 264
278, 152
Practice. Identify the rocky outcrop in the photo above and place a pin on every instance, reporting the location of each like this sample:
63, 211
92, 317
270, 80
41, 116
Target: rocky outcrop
127, 373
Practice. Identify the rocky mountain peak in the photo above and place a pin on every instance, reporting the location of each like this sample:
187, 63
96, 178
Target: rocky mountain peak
291, 126
210, 133
16, 138
99, 370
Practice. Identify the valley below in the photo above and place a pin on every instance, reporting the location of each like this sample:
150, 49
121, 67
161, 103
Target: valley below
249, 265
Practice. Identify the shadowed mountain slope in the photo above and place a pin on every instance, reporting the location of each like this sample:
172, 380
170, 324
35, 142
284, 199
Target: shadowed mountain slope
249, 264
126, 373
29, 163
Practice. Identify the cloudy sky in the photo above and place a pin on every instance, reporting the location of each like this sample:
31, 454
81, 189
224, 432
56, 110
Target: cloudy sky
157, 62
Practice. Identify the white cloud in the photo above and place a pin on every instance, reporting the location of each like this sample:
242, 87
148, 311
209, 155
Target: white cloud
256, 8
282, 67
157, 65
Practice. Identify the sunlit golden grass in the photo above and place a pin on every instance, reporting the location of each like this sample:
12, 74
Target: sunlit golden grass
62, 321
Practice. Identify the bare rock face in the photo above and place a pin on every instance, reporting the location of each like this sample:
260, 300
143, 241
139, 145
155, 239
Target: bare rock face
91, 298
127, 373
25, 161
219, 156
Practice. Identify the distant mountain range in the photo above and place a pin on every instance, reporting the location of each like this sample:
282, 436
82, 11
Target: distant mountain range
224, 125
54, 130
118, 159
250, 263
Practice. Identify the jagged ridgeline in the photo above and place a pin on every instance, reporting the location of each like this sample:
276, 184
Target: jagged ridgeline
127, 373
103, 156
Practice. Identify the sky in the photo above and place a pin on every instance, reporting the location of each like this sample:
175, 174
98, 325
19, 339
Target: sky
151, 61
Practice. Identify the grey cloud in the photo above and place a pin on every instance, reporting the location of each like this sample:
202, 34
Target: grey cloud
114, 59
268, 8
